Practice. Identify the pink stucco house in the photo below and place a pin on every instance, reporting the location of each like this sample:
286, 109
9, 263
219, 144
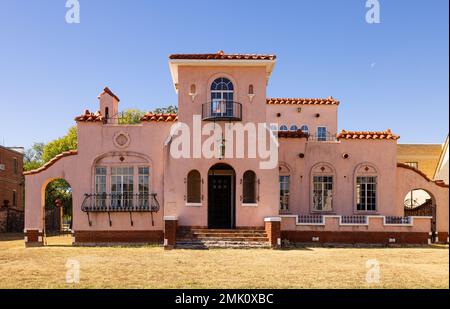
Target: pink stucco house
298, 177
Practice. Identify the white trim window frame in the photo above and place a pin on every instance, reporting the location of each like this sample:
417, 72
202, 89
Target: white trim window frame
322, 193
366, 193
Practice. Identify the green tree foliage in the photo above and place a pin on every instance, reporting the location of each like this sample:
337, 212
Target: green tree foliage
131, 116
166, 110
60, 145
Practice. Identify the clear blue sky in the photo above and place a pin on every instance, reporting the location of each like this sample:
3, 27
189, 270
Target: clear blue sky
389, 75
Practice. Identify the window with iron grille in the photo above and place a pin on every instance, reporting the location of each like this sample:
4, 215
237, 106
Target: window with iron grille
366, 193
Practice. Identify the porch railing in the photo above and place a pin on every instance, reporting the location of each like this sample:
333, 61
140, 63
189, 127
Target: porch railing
398, 220
222, 110
354, 219
310, 219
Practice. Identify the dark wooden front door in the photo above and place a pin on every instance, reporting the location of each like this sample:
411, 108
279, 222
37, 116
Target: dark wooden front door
220, 201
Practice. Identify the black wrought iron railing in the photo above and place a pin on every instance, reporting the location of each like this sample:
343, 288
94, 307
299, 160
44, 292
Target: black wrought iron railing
122, 202
322, 137
222, 110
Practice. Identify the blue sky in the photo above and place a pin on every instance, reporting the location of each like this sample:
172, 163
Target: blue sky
389, 75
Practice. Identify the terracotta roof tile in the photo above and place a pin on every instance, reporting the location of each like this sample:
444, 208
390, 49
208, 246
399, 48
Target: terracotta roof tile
90, 117
52, 161
108, 91
367, 135
292, 134
159, 117
220, 55
302, 101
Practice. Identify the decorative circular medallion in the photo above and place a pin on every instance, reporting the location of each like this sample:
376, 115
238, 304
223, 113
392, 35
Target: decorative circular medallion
122, 139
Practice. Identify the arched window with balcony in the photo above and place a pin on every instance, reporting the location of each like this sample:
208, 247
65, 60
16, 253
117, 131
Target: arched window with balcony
222, 97
293, 128
249, 188
194, 195
283, 128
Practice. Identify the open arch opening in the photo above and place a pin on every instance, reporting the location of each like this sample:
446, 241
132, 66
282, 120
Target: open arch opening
57, 212
420, 202
221, 196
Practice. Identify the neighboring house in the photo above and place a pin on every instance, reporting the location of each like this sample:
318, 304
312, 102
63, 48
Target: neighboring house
11, 189
442, 167
144, 183
424, 157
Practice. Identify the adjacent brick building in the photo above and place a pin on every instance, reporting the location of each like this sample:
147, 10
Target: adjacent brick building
11, 189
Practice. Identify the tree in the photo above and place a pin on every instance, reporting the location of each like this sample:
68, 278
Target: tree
131, 116
60, 145
32, 158
166, 110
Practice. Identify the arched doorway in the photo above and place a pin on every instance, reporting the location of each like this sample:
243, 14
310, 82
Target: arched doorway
419, 202
58, 214
221, 197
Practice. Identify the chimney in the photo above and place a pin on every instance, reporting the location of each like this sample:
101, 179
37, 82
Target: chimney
109, 106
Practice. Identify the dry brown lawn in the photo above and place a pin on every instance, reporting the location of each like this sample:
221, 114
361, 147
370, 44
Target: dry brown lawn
153, 267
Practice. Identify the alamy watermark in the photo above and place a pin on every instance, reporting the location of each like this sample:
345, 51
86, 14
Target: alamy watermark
234, 140
73, 12
373, 12
72, 271
373, 273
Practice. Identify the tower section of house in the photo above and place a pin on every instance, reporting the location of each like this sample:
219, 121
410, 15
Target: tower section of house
216, 92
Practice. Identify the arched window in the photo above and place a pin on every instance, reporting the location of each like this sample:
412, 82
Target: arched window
222, 96
192, 90
305, 129
293, 128
249, 187
251, 90
283, 128
194, 187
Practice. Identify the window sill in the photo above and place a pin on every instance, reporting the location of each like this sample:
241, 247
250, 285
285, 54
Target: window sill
249, 204
193, 204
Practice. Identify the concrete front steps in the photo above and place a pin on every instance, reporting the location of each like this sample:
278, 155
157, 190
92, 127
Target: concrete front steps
194, 238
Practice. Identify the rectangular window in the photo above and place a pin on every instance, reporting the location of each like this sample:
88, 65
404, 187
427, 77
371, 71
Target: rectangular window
321, 133
413, 164
16, 167
322, 193
121, 187
14, 198
366, 193
284, 192
144, 186
100, 186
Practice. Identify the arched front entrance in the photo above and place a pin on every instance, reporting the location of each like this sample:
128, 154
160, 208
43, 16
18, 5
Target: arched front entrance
221, 197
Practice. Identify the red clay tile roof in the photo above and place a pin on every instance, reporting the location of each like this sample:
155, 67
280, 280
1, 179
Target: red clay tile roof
292, 134
367, 135
108, 91
90, 117
440, 183
220, 55
52, 161
159, 117
302, 101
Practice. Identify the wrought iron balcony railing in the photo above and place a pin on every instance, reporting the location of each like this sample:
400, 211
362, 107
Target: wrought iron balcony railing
222, 110
122, 202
